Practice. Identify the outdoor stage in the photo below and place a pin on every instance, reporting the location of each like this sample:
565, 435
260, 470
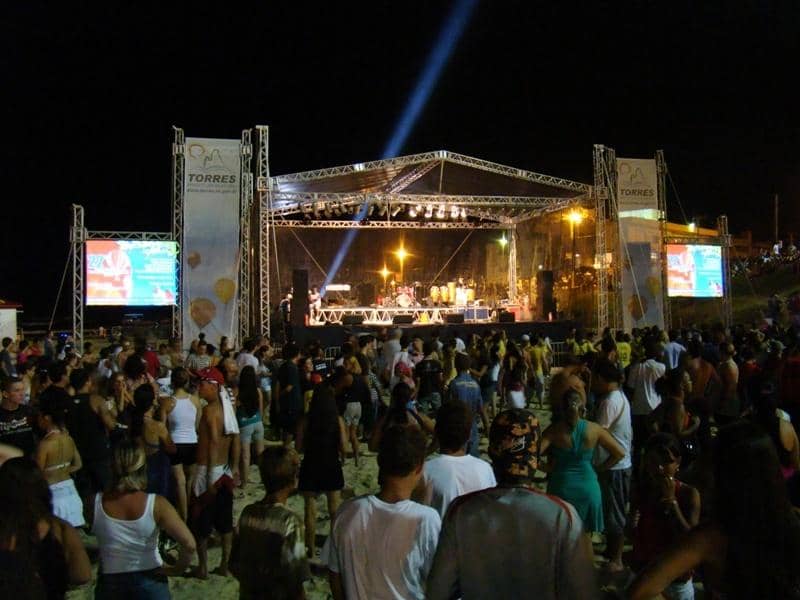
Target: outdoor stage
332, 336
382, 315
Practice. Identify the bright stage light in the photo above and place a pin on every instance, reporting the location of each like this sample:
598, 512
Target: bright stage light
385, 272
412, 212
503, 241
440, 213
396, 210
454, 212
401, 253
463, 213
429, 211
692, 226
575, 216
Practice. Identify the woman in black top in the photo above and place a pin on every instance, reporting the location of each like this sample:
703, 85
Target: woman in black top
321, 435
48, 548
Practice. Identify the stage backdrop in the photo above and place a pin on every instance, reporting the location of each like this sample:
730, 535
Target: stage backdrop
640, 243
210, 252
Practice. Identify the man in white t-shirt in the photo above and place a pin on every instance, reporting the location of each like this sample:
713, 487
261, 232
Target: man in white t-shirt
382, 545
246, 358
642, 378
511, 541
613, 413
454, 472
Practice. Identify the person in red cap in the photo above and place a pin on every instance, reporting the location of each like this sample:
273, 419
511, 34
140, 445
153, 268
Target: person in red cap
212, 492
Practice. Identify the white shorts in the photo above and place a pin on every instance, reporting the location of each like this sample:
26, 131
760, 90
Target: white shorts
67, 504
352, 413
202, 480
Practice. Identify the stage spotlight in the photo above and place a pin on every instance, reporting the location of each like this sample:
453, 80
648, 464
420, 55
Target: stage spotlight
371, 209
440, 213
396, 210
384, 209
429, 211
503, 241
454, 212
463, 213
412, 212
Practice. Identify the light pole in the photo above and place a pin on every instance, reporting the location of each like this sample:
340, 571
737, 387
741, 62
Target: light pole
575, 217
401, 255
385, 273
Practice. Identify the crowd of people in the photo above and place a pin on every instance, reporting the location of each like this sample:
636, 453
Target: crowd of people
669, 460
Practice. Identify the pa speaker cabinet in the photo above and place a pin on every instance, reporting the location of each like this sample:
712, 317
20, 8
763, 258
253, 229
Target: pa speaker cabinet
454, 318
352, 319
506, 317
403, 319
544, 294
299, 296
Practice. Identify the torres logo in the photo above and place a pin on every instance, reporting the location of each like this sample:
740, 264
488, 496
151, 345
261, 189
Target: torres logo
208, 165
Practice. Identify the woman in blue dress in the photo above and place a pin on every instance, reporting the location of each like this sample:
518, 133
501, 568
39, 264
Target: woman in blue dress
569, 443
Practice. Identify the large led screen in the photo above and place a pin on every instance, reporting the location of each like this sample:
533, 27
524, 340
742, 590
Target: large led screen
130, 273
694, 271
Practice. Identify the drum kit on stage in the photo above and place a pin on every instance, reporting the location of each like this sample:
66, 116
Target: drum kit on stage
454, 293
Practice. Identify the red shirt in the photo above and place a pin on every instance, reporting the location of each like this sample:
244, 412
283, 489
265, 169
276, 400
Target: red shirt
153, 364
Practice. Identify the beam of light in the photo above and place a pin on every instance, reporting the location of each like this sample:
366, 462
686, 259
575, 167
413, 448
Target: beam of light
448, 38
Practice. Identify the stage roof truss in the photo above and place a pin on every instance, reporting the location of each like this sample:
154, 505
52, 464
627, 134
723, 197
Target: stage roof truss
130, 235
438, 156
379, 224
508, 209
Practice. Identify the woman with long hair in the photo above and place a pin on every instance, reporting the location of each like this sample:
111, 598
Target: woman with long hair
181, 412
666, 508
249, 411
127, 521
671, 416
751, 548
569, 444
402, 411
154, 438
322, 436
780, 431
47, 552
58, 458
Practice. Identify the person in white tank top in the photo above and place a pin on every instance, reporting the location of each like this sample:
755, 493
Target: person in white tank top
182, 412
126, 523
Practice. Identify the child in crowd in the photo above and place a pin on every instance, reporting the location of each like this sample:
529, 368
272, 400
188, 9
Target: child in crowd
269, 556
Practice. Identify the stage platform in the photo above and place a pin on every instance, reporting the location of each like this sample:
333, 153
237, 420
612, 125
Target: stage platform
334, 335
384, 315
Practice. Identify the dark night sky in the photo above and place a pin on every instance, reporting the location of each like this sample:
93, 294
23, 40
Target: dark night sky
89, 96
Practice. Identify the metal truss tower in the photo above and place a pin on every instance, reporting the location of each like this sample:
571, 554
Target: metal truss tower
77, 238
661, 166
178, 165
265, 224
727, 293
245, 209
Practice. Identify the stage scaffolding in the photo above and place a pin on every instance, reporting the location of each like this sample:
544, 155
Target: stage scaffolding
389, 194
78, 237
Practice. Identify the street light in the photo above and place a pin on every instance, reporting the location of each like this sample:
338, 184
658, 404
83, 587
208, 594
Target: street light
574, 217
401, 255
385, 273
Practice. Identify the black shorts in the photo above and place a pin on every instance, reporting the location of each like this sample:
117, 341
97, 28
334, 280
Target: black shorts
288, 422
214, 514
185, 454
93, 477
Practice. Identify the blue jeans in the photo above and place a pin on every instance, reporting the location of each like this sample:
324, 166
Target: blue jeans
138, 585
474, 439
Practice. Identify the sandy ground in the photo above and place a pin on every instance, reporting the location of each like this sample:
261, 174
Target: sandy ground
360, 480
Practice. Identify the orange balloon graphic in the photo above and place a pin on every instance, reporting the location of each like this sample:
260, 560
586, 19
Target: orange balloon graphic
637, 306
202, 311
194, 259
224, 289
654, 286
